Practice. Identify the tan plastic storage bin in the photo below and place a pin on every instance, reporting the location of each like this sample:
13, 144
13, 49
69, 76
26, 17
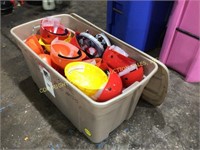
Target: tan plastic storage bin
95, 120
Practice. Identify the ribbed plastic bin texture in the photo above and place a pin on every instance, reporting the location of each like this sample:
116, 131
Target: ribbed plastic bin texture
96, 120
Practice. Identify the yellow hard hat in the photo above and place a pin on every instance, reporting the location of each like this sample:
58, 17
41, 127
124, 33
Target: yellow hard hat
87, 77
48, 46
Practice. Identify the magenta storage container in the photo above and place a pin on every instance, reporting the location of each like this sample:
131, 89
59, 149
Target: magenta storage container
181, 46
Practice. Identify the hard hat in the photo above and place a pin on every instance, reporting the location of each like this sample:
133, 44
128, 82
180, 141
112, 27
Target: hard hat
63, 53
113, 87
87, 77
125, 66
50, 28
119, 50
133, 76
74, 41
116, 60
33, 43
46, 58
48, 46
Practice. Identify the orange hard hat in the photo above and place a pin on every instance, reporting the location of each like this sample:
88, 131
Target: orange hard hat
33, 43
46, 58
63, 53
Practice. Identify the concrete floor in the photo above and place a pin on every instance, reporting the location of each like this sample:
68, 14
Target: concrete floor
29, 120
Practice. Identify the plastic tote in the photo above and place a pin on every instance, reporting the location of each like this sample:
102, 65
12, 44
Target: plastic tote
95, 120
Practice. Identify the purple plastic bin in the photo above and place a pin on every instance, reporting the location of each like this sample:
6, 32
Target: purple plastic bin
181, 46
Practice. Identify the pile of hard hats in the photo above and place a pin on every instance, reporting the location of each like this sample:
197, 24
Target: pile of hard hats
90, 62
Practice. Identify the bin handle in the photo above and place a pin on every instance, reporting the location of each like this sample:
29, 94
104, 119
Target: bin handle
79, 55
117, 11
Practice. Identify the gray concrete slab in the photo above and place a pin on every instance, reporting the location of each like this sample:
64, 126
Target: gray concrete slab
29, 120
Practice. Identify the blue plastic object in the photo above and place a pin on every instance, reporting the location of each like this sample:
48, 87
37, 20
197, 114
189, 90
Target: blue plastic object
139, 23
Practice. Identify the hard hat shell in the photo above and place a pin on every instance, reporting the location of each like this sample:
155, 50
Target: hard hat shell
48, 36
46, 58
50, 28
87, 77
133, 76
119, 63
48, 46
113, 87
63, 53
116, 60
74, 41
33, 43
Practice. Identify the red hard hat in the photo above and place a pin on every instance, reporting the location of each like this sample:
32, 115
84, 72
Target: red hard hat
125, 67
116, 60
133, 76
112, 88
